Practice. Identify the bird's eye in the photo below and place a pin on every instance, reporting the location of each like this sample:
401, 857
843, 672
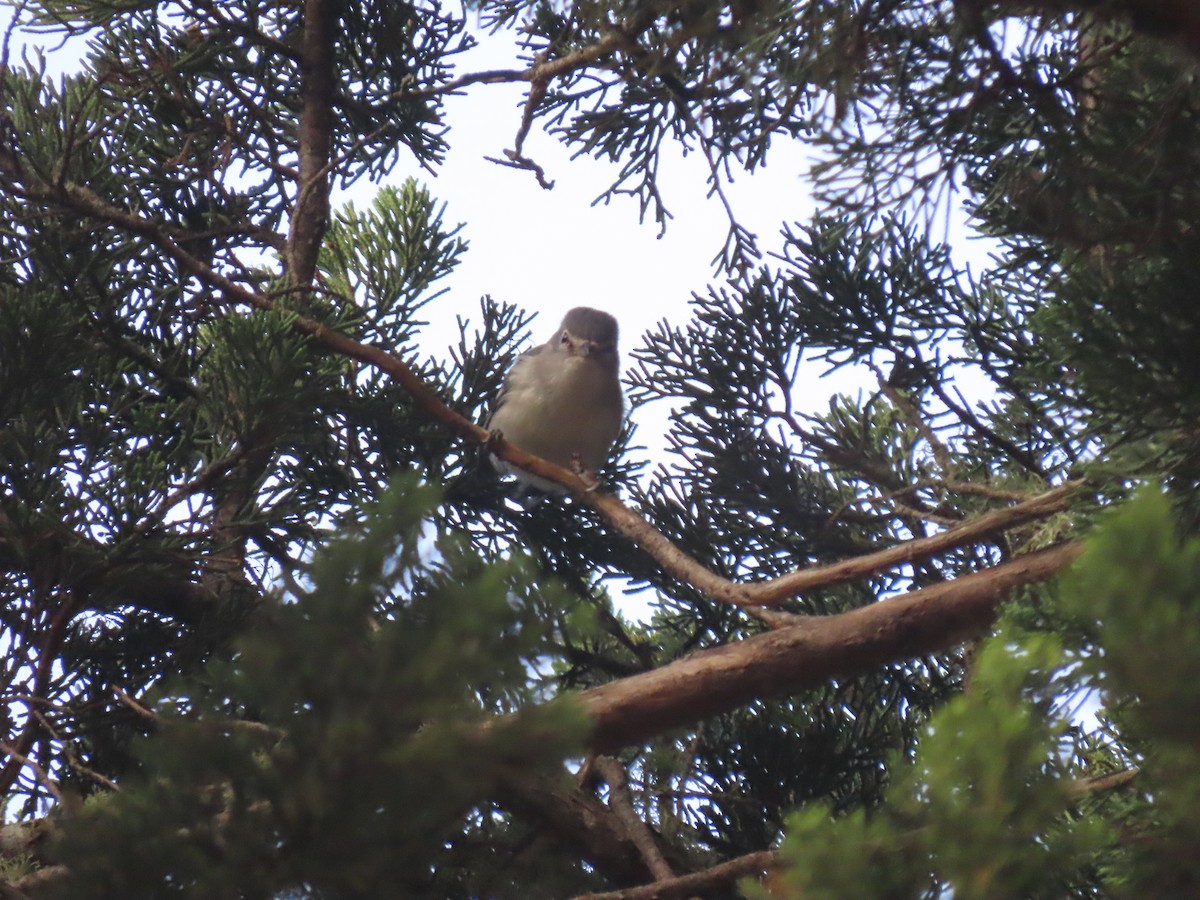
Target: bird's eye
565, 339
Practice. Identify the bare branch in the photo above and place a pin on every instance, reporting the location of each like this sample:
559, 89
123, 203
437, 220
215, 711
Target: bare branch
310, 215
805, 655
697, 882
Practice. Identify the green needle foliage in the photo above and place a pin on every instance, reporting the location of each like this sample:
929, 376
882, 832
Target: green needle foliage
337, 749
987, 809
980, 813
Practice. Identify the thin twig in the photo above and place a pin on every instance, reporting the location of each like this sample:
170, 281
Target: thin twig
134, 705
697, 882
44, 778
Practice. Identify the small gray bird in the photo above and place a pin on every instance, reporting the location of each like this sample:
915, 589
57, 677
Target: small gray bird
562, 399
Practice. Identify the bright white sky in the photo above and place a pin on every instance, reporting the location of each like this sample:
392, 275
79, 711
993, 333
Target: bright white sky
550, 250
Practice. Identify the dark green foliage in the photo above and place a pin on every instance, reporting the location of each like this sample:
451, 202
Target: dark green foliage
336, 750
1137, 592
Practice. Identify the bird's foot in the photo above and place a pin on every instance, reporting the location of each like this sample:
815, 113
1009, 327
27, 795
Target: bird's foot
493, 441
586, 475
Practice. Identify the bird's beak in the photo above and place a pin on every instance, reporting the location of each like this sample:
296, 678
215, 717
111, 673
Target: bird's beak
585, 348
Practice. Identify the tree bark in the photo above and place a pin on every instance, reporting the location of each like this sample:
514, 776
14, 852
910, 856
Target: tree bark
807, 654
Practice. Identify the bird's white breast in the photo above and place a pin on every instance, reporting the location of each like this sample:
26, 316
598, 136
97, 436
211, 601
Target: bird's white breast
558, 408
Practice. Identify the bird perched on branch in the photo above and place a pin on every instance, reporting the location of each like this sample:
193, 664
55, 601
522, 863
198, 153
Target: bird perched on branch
562, 399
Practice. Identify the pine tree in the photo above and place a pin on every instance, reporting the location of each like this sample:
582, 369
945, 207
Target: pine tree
271, 629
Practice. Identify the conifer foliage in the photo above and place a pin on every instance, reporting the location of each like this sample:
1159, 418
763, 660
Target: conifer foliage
271, 630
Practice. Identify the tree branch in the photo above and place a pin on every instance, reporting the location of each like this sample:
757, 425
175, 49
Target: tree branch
805, 655
697, 882
310, 215
621, 804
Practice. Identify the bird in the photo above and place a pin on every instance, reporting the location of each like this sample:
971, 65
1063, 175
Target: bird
562, 399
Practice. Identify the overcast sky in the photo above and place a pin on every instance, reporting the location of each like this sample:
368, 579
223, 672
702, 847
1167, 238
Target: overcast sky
549, 250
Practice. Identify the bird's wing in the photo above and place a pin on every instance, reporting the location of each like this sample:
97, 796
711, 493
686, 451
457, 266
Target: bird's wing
506, 385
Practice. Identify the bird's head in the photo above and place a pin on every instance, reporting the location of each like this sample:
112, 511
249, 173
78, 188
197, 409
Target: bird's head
589, 334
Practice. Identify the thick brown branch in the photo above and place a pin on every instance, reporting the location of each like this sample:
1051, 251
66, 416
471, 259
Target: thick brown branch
310, 215
791, 659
